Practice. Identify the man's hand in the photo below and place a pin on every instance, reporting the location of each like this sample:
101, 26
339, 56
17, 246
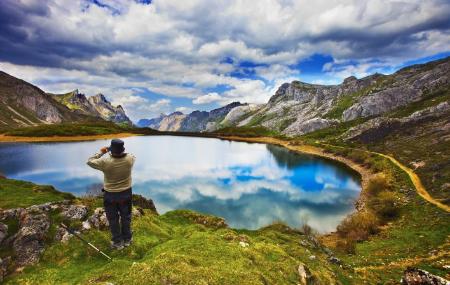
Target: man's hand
104, 150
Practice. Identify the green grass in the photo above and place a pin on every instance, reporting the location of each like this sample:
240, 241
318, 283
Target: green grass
247, 131
16, 193
347, 100
77, 129
258, 119
181, 247
68, 129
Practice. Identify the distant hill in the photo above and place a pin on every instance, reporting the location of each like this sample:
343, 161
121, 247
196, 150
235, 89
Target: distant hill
197, 121
25, 105
96, 105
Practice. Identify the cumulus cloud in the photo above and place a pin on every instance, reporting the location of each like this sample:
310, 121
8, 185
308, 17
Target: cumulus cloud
208, 98
192, 49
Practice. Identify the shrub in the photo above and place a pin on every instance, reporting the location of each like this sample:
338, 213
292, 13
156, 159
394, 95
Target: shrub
377, 184
359, 226
384, 205
347, 245
358, 156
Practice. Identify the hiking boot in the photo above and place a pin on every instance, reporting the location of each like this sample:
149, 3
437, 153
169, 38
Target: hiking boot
127, 243
116, 245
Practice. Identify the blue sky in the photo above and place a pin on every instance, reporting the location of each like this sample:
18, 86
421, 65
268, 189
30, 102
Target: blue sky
160, 56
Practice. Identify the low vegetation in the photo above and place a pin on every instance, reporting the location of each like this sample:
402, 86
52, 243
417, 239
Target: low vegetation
247, 132
76, 129
20, 194
179, 247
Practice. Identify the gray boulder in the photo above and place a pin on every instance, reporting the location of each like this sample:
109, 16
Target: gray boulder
75, 212
29, 241
98, 219
415, 276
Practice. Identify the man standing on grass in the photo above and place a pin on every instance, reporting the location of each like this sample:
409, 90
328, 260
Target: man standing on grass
117, 198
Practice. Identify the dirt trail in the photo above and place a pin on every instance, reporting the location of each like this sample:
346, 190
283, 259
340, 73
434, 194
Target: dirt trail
420, 189
416, 181
365, 173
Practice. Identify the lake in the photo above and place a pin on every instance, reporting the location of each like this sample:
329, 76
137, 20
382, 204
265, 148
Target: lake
250, 185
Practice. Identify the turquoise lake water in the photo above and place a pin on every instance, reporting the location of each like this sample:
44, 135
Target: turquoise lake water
250, 185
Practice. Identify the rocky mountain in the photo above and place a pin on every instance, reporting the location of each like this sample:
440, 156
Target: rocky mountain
298, 108
23, 104
197, 121
96, 105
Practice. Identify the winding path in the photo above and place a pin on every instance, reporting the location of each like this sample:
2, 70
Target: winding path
365, 174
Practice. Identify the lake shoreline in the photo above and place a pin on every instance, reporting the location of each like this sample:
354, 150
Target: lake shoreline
12, 139
364, 173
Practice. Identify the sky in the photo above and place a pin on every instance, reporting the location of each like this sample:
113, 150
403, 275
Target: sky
162, 56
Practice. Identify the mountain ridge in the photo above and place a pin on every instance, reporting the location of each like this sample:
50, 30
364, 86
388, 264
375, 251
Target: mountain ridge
96, 105
299, 108
24, 104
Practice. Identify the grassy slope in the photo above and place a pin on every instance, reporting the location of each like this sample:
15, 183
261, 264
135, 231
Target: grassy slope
77, 129
16, 193
179, 247
419, 237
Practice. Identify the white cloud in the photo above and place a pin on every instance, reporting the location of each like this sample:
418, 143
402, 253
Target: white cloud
176, 48
208, 98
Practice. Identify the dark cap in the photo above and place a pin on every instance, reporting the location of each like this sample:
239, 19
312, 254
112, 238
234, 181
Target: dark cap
117, 146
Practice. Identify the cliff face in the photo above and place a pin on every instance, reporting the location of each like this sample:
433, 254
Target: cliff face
298, 108
23, 104
108, 111
97, 106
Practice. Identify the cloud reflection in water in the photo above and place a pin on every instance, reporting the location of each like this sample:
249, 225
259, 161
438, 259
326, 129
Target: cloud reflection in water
250, 185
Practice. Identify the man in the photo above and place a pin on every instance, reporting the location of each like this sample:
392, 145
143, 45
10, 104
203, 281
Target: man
117, 197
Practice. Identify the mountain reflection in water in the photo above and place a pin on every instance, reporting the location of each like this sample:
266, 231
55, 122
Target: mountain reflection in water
250, 185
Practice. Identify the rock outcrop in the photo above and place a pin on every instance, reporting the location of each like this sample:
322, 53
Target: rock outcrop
415, 276
95, 106
298, 108
34, 223
376, 129
107, 111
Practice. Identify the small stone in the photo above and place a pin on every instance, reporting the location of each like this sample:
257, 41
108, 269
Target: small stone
335, 260
305, 275
137, 211
312, 257
98, 219
62, 235
243, 244
3, 232
86, 225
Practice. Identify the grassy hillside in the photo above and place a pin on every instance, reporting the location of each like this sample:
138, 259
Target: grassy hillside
76, 129
179, 247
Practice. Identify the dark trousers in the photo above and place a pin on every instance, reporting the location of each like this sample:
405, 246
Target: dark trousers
118, 212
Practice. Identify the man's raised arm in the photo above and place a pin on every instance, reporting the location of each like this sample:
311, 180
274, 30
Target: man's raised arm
95, 161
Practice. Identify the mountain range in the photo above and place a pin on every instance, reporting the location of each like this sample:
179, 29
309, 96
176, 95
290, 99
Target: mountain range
197, 121
299, 108
25, 105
